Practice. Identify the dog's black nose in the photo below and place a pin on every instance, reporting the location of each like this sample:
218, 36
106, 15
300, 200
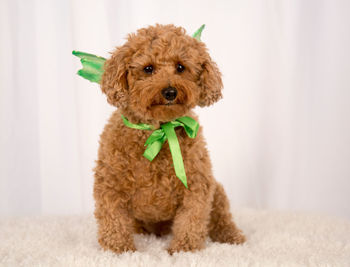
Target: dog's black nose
169, 93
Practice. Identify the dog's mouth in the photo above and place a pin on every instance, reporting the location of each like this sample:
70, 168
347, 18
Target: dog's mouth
165, 103
167, 110
168, 104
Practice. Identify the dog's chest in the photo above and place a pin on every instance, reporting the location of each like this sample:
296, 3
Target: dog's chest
152, 204
157, 190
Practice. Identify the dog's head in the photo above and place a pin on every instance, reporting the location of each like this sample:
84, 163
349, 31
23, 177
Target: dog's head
161, 73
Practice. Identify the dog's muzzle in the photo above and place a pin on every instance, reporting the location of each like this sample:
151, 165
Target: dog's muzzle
169, 93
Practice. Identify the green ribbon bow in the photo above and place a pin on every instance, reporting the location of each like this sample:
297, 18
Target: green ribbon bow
156, 140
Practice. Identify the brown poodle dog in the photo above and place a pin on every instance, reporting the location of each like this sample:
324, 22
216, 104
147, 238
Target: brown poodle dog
158, 75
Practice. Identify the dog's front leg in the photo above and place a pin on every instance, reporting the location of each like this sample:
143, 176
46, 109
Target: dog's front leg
190, 227
115, 225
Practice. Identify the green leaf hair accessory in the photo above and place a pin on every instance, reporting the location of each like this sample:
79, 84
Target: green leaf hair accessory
197, 35
156, 140
92, 66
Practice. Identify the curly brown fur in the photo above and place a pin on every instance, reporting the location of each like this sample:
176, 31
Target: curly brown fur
134, 195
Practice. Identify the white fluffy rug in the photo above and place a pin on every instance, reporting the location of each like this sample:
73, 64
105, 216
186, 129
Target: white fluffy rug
274, 239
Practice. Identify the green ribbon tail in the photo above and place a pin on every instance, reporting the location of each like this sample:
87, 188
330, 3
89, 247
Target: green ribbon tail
154, 144
153, 149
175, 152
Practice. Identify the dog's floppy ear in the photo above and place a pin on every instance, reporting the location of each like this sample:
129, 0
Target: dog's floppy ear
114, 79
210, 82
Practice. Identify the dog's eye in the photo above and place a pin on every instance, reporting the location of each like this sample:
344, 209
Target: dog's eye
148, 69
180, 68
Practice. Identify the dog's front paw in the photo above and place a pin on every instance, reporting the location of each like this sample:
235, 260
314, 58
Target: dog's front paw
185, 244
228, 234
236, 237
117, 245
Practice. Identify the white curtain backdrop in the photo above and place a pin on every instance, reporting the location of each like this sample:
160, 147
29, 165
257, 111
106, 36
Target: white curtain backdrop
280, 138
